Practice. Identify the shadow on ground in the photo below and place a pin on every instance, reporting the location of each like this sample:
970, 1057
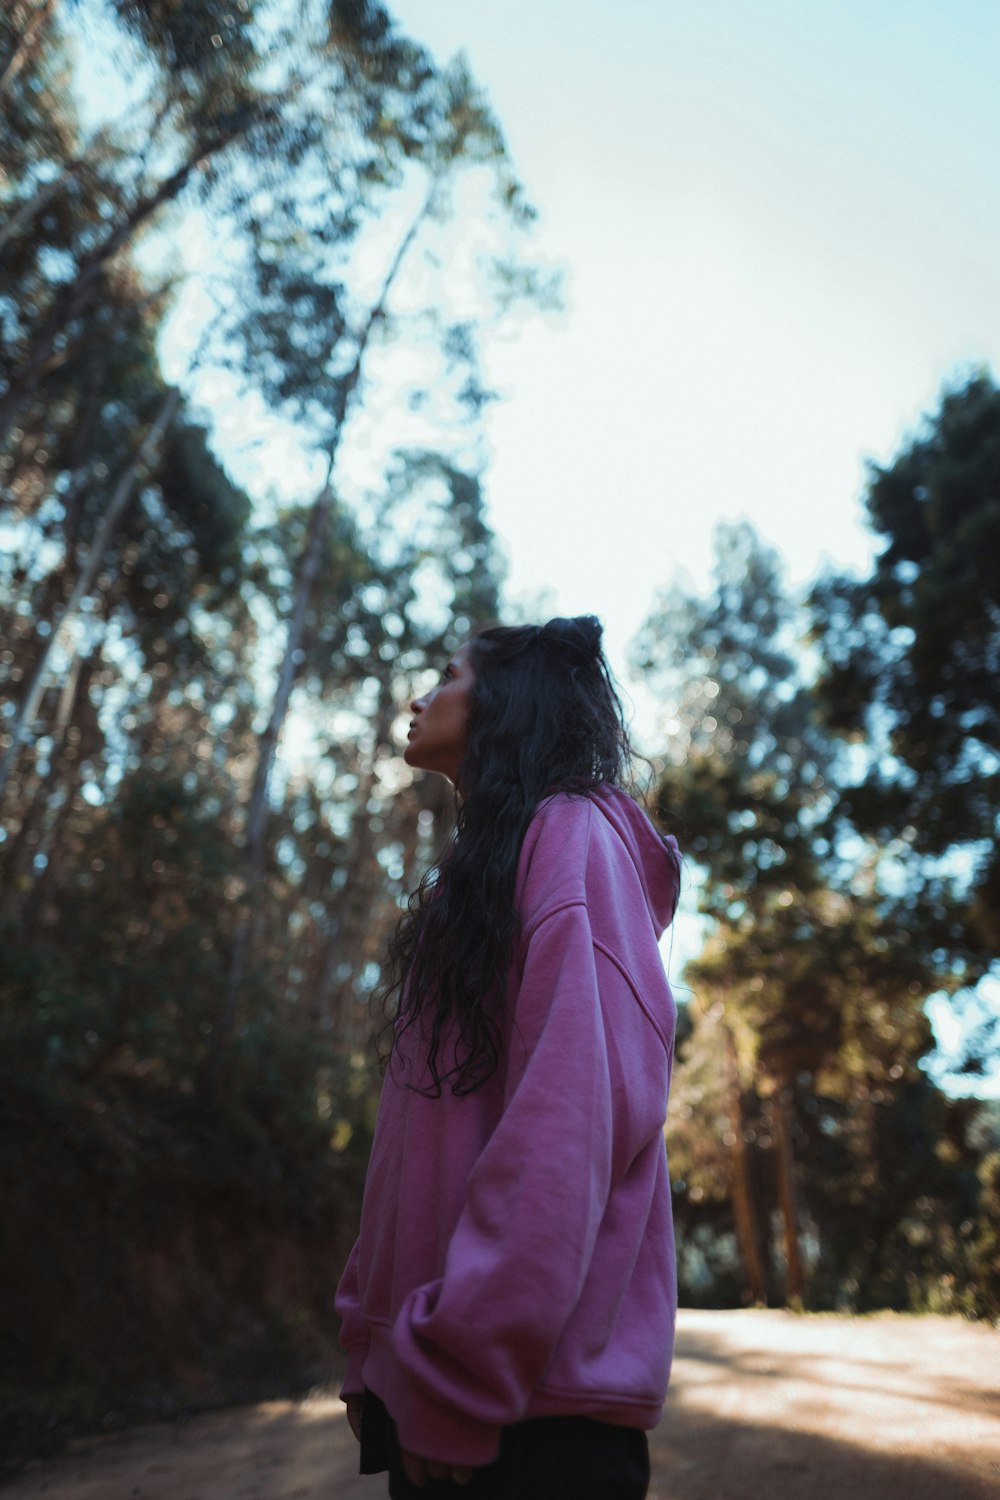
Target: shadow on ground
699, 1458
763, 1404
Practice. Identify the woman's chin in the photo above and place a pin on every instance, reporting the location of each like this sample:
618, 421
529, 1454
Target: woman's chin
413, 758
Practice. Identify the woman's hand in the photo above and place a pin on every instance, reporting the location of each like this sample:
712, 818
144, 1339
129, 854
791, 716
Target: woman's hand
354, 1405
418, 1470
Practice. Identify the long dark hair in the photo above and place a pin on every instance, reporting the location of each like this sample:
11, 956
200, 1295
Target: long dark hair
544, 717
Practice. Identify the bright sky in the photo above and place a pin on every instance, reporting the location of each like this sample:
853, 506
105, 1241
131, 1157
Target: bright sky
779, 221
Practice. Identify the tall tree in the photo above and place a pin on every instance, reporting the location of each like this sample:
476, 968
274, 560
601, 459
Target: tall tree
911, 656
141, 608
800, 966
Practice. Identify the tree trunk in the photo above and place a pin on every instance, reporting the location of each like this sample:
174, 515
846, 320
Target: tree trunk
19, 849
93, 377
58, 802
33, 206
741, 1187
15, 59
358, 903
121, 495
795, 1278
306, 573
73, 298
257, 811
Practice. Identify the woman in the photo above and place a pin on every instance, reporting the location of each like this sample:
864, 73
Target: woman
508, 1308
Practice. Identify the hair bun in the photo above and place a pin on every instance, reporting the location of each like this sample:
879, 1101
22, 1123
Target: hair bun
583, 632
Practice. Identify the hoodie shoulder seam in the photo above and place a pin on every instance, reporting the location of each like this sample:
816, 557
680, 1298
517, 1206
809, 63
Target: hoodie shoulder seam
550, 912
613, 958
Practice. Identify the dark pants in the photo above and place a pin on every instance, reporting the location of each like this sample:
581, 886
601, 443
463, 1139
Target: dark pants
545, 1458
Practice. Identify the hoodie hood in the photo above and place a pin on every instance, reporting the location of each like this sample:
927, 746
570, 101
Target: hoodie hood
657, 860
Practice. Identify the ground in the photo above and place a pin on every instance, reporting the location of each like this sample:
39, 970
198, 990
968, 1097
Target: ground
762, 1404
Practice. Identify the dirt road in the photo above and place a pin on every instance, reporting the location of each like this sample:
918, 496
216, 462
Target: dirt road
763, 1404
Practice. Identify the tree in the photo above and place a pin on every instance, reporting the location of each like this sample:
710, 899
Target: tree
804, 975
911, 656
147, 588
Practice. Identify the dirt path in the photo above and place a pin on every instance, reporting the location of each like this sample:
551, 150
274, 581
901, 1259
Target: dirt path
764, 1404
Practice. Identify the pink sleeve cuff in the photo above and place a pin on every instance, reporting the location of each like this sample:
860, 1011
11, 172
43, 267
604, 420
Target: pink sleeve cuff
353, 1384
438, 1431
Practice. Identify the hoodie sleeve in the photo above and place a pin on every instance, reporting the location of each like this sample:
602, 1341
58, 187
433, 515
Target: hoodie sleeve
475, 1343
354, 1334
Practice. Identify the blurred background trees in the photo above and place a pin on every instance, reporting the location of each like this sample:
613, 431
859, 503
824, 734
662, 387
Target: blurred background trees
162, 625
830, 766
248, 256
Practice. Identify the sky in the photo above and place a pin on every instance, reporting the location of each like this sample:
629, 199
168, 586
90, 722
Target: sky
778, 222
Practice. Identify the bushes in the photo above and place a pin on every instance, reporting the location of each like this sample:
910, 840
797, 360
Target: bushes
156, 1254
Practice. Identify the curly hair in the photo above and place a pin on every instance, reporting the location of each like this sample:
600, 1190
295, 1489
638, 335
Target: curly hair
544, 717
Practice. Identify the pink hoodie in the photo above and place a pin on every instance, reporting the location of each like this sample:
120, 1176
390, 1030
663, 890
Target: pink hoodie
516, 1254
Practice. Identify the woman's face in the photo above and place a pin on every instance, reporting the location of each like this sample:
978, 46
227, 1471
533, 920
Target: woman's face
436, 741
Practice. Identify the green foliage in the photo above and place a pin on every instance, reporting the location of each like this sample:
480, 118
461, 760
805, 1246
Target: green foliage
196, 489
799, 1088
892, 1191
910, 665
179, 33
